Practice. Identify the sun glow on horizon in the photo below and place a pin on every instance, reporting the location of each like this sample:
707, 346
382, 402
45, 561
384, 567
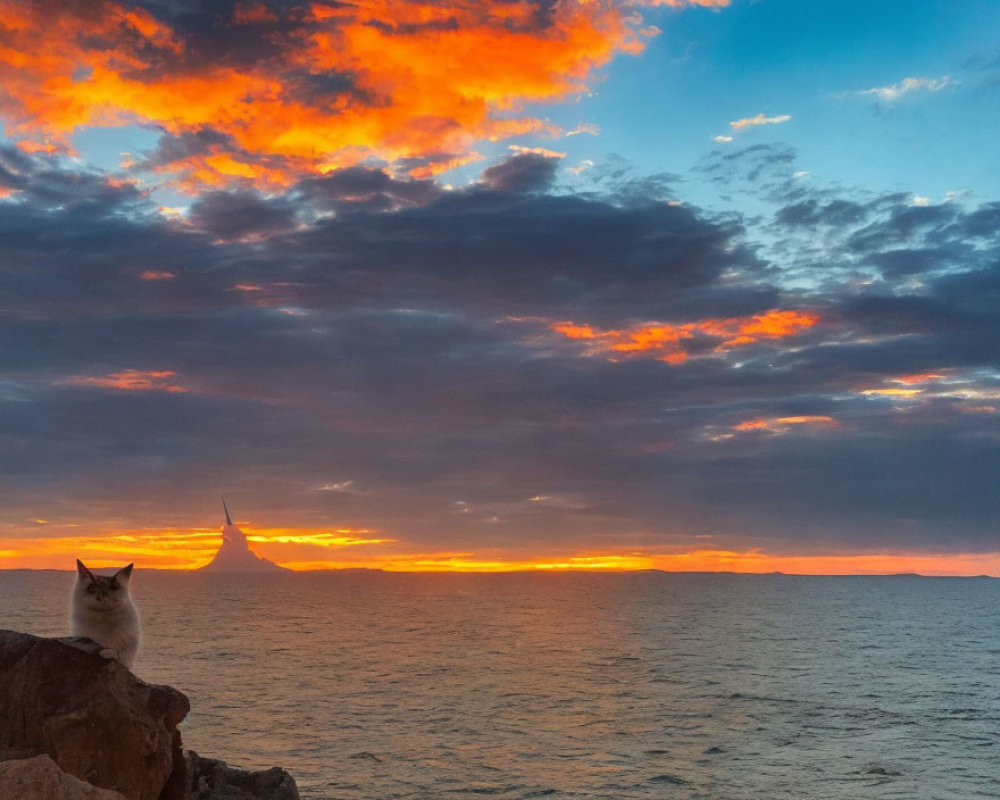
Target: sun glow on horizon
330, 549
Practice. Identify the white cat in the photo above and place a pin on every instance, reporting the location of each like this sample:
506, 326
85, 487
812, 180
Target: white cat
102, 609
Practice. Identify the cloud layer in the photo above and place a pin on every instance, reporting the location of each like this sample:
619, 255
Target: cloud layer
503, 369
549, 366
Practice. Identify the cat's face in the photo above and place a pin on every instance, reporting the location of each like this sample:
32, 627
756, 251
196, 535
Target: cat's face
102, 592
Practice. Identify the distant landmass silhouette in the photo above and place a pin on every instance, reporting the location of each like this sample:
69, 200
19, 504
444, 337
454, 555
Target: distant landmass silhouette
235, 553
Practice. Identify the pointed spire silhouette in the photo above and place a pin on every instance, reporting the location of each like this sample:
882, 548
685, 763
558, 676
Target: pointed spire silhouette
235, 552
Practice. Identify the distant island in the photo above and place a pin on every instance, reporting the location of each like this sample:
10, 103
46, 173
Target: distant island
235, 554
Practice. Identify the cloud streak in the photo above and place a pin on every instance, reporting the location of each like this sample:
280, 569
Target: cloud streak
129, 380
760, 119
674, 344
907, 86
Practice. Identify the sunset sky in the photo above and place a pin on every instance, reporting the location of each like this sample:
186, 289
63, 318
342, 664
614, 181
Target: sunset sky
491, 285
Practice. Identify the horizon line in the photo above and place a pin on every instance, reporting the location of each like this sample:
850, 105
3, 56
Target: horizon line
537, 571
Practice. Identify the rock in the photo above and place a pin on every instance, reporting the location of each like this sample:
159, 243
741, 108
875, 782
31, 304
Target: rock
209, 779
40, 778
75, 726
93, 717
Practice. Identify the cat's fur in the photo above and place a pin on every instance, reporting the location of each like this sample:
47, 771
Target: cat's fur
102, 609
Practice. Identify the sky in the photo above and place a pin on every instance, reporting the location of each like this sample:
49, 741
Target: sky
494, 285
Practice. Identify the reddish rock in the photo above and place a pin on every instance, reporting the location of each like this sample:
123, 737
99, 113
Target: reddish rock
40, 778
92, 716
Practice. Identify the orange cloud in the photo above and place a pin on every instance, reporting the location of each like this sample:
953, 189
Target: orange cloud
573, 331
964, 392
329, 85
32, 147
665, 341
780, 424
924, 377
892, 392
752, 425
130, 380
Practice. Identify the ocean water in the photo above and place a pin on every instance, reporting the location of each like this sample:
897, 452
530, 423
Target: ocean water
618, 686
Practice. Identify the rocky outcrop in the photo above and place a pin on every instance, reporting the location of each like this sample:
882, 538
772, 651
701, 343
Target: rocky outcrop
92, 716
209, 779
40, 778
66, 715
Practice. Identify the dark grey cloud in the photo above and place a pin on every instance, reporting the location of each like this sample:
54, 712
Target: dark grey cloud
387, 332
171, 148
984, 222
526, 172
811, 213
78, 193
902, 224
365, 189
234, 215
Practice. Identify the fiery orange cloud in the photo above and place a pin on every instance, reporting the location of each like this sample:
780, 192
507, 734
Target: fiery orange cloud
752, 425
157, 275
31, 147
573, 331
665, 341
330, 85
130, 380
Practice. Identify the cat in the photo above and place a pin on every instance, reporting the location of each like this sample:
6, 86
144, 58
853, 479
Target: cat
102, 609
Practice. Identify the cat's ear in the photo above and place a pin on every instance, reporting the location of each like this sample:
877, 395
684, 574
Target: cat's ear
124, 573
83, 572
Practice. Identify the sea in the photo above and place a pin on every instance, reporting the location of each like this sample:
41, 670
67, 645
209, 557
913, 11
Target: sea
612, 685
